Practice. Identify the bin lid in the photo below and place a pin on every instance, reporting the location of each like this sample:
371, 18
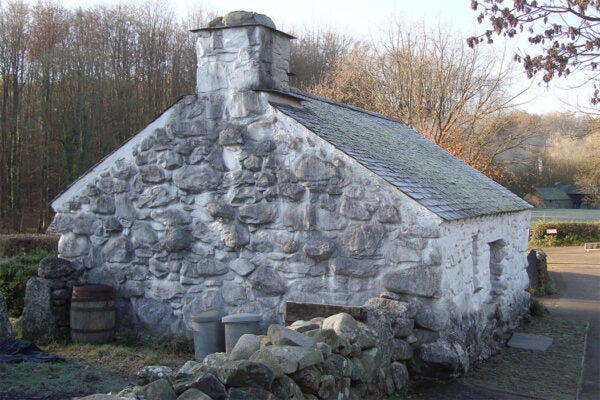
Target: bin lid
206, 316
241, 318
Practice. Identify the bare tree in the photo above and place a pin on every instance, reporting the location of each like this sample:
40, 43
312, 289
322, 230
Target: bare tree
74, 85
564, 149
313, 55
47, 66
351, 79
435, 84
588, 172
564, 34
14, 21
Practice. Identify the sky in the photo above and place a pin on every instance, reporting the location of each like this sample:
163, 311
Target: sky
368, 19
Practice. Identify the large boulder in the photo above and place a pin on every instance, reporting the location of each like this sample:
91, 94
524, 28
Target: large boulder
287, 359
417, 280
55, 268
157, 390
356, 333
246, 345
442, 359
286, 389
5, 327
38, 321
210, 385
243, 373
280, 335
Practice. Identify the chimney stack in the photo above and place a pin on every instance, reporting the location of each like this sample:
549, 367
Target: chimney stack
242, 51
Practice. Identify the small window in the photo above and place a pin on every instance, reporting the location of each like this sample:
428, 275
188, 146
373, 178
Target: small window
475, 260
497, 259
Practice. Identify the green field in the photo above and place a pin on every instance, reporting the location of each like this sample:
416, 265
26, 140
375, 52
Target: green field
564, 214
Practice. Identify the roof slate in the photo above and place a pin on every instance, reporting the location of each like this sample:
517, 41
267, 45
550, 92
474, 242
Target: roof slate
407, 160
550, 193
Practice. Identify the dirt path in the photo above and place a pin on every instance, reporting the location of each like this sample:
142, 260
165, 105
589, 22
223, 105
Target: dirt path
576, 274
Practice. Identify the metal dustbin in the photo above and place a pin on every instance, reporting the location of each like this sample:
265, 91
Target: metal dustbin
237, 325
208, 333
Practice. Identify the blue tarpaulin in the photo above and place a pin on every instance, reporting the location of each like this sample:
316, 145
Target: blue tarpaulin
14, 351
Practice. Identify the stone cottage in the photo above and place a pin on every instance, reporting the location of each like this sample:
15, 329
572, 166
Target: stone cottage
250, 193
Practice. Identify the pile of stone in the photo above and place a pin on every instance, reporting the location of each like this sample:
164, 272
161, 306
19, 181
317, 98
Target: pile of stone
325, 358
335, 357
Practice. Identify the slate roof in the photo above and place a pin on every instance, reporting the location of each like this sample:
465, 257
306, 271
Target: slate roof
550, 193
422, 170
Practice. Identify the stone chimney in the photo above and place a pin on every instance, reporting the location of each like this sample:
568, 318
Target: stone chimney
242, 51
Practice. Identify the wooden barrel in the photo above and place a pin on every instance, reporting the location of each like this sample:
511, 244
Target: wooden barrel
92, 314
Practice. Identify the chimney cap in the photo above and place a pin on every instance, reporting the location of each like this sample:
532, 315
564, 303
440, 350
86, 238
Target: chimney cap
241, 18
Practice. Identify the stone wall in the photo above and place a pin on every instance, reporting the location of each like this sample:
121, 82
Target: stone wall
48, 302
334, 357
481, 289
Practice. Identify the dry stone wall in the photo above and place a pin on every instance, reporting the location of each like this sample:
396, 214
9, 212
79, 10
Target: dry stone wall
48, 301
333, 357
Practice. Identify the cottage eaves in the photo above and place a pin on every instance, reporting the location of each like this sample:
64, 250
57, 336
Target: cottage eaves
422, 170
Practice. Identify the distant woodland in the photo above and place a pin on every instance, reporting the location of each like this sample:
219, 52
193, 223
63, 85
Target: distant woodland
75, 84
